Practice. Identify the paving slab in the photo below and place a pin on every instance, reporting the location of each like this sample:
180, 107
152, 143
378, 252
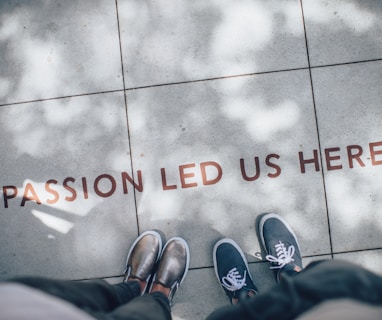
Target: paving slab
188, 141
165, 42
369, 259
64, 209
349, 114
53, 49
343, 31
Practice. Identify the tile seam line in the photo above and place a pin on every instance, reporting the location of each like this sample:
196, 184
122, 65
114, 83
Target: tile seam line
356, 251
124, 89
249, 262
185, 82
317, 131
62, 97
345, 63
149, 86
127, 115
215, 78
266, 261
303, 256
252, 74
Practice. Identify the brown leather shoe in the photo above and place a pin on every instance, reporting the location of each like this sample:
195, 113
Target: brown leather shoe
143, 256
173, 265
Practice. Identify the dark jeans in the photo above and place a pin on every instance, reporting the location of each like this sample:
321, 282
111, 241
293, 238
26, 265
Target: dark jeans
105, 301
320, 281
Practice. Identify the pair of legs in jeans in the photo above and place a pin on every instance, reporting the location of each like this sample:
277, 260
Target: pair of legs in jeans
152, 277
159, 272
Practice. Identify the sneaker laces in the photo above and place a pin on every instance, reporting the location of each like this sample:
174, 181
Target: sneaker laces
233, 281
284, 255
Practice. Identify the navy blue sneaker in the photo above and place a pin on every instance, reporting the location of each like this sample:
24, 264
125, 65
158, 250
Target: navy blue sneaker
280, 244
231, 268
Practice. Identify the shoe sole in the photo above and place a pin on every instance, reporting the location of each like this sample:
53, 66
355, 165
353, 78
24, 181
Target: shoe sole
237, 247
276, 216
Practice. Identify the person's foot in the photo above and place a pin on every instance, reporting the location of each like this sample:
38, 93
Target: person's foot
232, 271
280, 244
172, 268
142, 258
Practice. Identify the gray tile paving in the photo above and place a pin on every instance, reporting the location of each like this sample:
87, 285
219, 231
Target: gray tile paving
343, 31
350, 119
217, 123
163, 43
370, 259
61, 216
51, 49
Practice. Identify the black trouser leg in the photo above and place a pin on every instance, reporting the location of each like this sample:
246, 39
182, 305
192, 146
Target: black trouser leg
154, 306
320, 281
95, 296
